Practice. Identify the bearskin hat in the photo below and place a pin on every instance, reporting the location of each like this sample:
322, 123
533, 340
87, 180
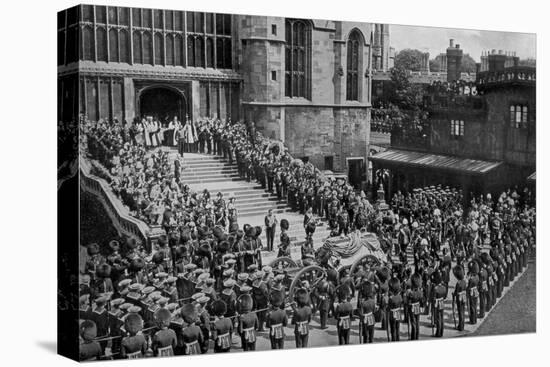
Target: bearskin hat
284, 224
218, 307
395, 285
383, 273
458, 272
158, 257
189, 314
416, 280
204, 249
485, 259
276, 299
251, 232
163, 317
162, 240
473, 267
246, 228
93, 249
323, 285
332, 276
223, 246
258, 230
218, 232
234, 227
436, 277
343, 292
131, 243
244, 303
302, 297
103, 271
180, 252
493, 253
88, 330
133, 323
137, 264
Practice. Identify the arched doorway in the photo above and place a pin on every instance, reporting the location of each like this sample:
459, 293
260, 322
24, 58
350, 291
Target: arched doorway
162, 103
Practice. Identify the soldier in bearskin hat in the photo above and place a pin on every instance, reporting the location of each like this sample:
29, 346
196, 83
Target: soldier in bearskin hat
473, 290
460, 295
439, 294
382, 277
164, 341
134, 345
276, 321
483, 287
415, 301
284, 246
89, 350
366, 308
343, 313
248, 322
222, 332
192, 335
323, 295
395, 305
258, 247
301, 317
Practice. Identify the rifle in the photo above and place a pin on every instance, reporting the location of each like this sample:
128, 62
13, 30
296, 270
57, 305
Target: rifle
387, 323
360, 326
408, 314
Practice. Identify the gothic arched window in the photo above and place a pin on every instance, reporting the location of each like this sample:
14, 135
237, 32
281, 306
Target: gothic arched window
297, 58
353, 66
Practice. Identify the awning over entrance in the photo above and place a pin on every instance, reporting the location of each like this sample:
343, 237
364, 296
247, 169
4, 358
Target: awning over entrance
532, 177
435, 161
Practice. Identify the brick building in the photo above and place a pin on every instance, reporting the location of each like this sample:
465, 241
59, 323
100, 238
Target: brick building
480, 137
306, 82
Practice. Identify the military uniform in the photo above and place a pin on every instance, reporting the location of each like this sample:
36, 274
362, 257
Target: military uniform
301, 318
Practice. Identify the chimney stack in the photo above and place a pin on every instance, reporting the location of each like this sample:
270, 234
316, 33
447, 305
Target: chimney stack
454, 61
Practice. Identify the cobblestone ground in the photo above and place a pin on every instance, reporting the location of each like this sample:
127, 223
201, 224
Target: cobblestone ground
516, 312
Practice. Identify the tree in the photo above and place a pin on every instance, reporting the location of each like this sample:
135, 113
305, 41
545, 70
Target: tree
409, 59
405, 95
435, 65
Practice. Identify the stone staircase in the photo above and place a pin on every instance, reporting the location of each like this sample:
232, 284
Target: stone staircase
202, 171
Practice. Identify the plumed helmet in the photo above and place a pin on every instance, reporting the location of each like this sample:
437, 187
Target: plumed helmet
103, 271
343, 292
137, 264
416, 280
458, 272
218, 232
163, 317
218, 307
276, 299
93, 249
188, 313
158, 257
395, 285
244, 303
436, 277
88, 330
284, 224
258, 230
302, 297
133, 323
473, 267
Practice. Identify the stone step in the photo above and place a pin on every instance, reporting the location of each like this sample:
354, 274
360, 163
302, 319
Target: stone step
187, 176
200, 170
259, 199
212, 165
258, 204
211, 180
255, 212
